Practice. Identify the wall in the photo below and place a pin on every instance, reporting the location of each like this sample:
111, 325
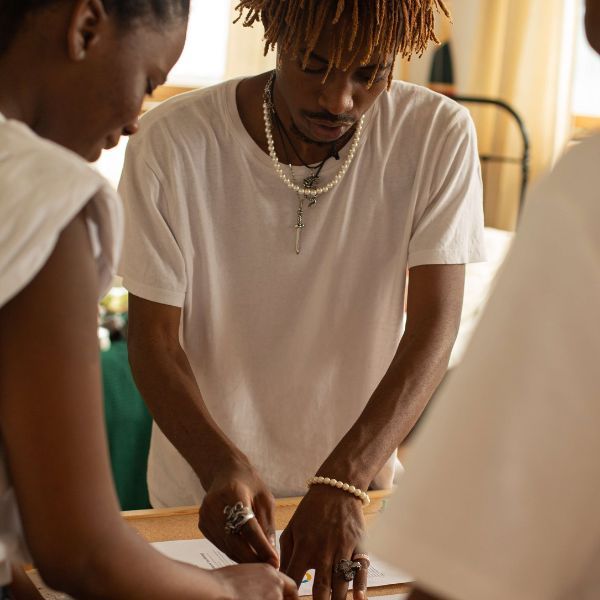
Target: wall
465, 16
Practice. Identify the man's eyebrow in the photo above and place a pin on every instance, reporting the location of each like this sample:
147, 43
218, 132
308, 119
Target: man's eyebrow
315, 56
375, 66
319, 58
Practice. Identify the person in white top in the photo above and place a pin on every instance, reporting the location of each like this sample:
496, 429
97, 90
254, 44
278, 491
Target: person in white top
501, 497
73, 75
270, 222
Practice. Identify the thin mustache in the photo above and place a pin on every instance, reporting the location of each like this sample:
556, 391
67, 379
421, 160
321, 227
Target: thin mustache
336, 121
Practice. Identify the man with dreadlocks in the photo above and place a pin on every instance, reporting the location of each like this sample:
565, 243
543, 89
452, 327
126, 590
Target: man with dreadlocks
271, 222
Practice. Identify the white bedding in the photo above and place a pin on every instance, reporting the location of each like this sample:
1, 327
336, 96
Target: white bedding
478, 285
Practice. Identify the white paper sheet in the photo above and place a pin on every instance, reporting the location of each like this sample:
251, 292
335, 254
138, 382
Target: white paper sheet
202, 553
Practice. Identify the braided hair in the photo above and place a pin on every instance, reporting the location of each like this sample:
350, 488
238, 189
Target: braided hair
14, 12
380, 27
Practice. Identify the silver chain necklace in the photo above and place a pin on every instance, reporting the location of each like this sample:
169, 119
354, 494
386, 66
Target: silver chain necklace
308, 191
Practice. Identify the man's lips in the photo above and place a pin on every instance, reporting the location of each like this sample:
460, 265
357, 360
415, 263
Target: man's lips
330, 124
328, 129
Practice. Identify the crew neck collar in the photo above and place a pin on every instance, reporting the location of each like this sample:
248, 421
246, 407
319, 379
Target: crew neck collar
253, 149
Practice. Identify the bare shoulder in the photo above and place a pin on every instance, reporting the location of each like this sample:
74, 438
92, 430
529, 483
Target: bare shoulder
63, 292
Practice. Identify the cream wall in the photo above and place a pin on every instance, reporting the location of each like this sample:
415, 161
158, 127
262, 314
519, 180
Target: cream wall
466, 15
245, 49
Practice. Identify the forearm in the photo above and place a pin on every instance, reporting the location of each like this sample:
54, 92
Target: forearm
397, 403
167, 383
121, 565
435, 294
334, 521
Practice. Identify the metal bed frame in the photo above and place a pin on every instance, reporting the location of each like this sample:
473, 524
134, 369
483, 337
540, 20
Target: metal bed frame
523, 159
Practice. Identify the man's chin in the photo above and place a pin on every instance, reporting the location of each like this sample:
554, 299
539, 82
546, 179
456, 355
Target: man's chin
93, 154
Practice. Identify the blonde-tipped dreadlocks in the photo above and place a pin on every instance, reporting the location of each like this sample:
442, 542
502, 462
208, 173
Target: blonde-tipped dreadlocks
381, 27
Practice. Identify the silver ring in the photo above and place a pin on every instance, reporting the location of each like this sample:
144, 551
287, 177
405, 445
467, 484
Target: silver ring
236, 517
364, 557
348, 569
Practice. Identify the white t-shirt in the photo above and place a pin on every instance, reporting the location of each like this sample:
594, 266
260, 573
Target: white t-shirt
42, 188
501, 497
287, 349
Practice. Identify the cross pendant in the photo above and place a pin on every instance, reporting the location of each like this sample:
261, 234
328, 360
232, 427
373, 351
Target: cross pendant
299, 226
298, 240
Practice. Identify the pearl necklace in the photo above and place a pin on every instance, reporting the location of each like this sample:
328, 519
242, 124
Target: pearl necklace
305, 192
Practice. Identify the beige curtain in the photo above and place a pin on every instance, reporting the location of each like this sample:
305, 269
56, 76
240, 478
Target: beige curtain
519, 51
523, 55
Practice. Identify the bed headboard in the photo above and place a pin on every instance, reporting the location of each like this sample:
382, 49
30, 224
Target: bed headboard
486, 158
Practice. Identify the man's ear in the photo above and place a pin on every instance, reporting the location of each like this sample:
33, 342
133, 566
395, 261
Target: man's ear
86, 26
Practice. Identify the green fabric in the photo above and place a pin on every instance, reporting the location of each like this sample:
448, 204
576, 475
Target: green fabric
128, 425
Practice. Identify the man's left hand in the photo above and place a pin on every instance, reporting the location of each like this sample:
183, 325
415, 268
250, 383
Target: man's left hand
327, 527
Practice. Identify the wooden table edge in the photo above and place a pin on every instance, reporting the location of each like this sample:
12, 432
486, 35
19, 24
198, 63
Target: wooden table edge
378, 499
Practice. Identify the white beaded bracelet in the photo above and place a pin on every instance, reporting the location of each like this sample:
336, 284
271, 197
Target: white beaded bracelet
345, 487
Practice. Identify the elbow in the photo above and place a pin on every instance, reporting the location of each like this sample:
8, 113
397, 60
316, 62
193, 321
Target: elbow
67, 572
56, 576
146, 350
81, 571
451, 335
137, 347
135, 352
152, 335
437, 331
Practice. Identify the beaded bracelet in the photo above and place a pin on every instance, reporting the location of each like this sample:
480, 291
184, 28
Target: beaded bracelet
345, 487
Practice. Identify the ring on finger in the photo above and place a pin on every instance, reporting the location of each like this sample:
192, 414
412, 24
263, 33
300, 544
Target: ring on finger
347, 569
236, 517
359, 556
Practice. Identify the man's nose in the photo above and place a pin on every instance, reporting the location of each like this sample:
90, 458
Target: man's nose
336, 94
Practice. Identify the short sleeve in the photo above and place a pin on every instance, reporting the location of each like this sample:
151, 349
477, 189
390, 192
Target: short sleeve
152, 264
44, 187
500, 498
448, 226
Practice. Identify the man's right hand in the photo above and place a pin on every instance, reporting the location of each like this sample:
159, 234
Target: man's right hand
256, 582
255, 542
